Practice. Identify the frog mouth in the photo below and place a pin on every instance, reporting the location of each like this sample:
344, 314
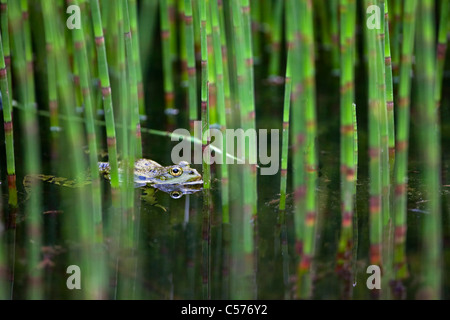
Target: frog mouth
194, 180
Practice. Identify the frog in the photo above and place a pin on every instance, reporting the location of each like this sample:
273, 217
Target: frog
176, 180
148, 173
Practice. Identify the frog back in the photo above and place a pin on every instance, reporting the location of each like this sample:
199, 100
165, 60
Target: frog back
145, 170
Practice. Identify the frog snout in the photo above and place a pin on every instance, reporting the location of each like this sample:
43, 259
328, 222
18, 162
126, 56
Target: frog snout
195, 173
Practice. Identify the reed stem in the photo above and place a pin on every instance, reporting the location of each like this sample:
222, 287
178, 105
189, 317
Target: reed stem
429, 138
402, 145
348, 176
23, 68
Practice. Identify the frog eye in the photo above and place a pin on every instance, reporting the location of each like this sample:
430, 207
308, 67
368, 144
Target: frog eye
176, 194
175, 171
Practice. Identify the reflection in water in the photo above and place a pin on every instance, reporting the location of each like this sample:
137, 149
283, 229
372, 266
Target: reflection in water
176, 191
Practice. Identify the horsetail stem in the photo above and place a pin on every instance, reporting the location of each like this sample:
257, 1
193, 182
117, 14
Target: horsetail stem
23, 68
212, 93
396, 26
133, 93
249, 117
222, 118
183, 46
402, 142
166, 36
8, 126
171, 9
137, 57
81, 59
389, 92
226, 71
97, 276
204, 97
298, 134
334, 25
4, 26
309, 107
275, 41
443, 35
429, 137
384, 154
106, 93
191, 69
374, 105
285, 143
347, 47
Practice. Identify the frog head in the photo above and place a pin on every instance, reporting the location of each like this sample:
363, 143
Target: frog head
177, 174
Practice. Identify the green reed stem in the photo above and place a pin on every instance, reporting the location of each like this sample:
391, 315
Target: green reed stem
334, 13
10, 168
125, 113
132, 5
204, 97
219, 70
166, 36
196, 17
130, 108
255, 28
322, 17
52, 79
429, 138
298, 135
226, 71
4, 26
98, 275
402, 141
81, 59
355, 147
385, 122
374, 106
133, 93
389, 92
396, 27
285, 137
127, 259
171, 7
23, 69
8, 127
249, 109
275, 41
107, 97
308, 63
443, 35
347, 155
212, 93
242, 268
183, 46
191, 69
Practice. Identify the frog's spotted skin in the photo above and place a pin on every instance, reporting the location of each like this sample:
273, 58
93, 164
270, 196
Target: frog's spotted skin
148, 172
